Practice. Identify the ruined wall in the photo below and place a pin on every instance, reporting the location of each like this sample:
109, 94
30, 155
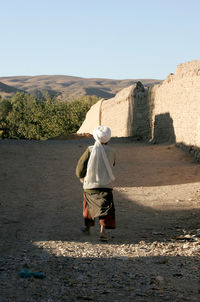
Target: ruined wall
127, 114
176, 106
116, 112
169, 112
141, 115
92, 119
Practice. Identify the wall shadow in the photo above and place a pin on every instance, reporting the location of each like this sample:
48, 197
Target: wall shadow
163, 129
141, 124
194, 151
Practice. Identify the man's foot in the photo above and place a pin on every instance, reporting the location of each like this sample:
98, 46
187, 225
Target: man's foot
86, 230
103, 237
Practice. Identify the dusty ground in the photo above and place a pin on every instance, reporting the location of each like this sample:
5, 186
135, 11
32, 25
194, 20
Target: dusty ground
153, 255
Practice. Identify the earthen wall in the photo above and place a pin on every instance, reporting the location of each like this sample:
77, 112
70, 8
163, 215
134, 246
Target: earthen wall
169, 112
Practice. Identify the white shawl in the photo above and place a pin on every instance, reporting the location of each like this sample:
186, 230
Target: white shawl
99, 171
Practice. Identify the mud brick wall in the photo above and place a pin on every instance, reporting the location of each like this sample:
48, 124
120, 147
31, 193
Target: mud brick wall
176, 106
92, 119
127, 114
116, 112
166, 113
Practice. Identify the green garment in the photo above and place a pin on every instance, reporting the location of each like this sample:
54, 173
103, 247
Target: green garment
81, 168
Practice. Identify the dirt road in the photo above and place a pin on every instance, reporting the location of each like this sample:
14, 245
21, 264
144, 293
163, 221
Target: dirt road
153, 255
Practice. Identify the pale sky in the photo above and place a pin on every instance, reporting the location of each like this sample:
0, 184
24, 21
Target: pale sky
116, 39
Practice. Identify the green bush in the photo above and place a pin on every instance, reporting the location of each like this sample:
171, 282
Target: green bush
27, 117
5, 108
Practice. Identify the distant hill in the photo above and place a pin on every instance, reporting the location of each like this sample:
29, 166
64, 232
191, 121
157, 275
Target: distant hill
7, 90
67, 87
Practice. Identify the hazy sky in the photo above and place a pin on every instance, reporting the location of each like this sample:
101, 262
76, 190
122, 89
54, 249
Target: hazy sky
116, 39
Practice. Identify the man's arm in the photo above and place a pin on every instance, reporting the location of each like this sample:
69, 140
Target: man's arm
81, 167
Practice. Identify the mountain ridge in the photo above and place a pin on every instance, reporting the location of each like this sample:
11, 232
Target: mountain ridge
67, 87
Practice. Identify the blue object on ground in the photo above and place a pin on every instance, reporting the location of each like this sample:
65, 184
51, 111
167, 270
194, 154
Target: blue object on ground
29, 274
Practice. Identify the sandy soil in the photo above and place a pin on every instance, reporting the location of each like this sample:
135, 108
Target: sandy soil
157, 198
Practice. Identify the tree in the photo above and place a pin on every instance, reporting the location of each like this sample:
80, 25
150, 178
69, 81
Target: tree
5, 109
27, 117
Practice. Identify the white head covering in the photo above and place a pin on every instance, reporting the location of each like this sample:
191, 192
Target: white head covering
99, 172
102, 134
